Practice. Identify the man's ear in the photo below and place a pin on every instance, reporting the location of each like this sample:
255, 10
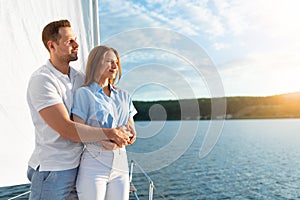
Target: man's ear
50, 44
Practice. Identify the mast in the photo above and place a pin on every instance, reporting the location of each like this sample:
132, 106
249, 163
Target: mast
95, 22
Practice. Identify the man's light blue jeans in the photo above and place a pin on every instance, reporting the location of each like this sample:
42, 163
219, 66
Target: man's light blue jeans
50, 185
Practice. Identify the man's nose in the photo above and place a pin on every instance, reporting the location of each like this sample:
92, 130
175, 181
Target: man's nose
76, 45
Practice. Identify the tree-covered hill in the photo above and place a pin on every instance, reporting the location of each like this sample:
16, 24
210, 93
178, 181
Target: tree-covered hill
242, 107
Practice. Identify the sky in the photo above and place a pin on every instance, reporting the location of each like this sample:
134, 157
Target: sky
247, 48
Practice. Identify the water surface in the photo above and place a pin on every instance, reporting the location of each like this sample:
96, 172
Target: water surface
253, 159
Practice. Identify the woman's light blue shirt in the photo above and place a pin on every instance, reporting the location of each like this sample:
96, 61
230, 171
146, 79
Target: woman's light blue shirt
97, 109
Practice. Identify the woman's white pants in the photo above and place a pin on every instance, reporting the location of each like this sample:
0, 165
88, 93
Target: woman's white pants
103, 175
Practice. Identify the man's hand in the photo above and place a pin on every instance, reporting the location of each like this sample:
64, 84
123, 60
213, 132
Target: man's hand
120, 136
129, 138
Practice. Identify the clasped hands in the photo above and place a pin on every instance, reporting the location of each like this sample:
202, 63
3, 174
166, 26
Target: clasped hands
123, 136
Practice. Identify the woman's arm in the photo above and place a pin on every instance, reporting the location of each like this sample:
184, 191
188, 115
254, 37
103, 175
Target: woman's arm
131, 127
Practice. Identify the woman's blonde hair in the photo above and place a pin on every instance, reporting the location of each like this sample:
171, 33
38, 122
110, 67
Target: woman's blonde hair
96, 61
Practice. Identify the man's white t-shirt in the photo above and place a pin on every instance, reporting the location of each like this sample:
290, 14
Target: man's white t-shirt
48, 86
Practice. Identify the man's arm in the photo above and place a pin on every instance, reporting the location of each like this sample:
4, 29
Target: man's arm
57, 117
107, 144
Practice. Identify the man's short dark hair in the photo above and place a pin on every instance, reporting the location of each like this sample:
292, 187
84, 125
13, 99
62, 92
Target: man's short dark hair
50, 32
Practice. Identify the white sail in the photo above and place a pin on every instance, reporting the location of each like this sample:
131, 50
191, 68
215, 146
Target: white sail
22, 52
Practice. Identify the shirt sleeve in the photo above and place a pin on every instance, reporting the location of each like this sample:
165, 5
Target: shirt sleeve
43, 92
81, 103
132, 110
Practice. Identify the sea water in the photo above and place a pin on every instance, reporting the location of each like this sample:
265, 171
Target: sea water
252, 159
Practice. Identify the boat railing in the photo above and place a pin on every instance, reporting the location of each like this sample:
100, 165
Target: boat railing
18, 196
133, 190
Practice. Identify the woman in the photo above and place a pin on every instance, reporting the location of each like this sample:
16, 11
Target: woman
103, 171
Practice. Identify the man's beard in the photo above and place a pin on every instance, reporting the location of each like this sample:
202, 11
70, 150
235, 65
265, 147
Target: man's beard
72, 57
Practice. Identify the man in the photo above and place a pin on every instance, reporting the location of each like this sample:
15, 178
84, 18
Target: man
53, 165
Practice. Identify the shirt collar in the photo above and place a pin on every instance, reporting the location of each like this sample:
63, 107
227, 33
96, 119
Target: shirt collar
58, 73
112, 89
95, 87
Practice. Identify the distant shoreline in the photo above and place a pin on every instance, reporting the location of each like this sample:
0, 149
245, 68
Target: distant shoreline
283, 106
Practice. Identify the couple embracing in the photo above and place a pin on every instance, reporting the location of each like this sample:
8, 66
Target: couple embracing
82, 123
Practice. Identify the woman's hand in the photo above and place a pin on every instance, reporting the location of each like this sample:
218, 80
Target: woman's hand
112, 145
120, 136
131, 128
